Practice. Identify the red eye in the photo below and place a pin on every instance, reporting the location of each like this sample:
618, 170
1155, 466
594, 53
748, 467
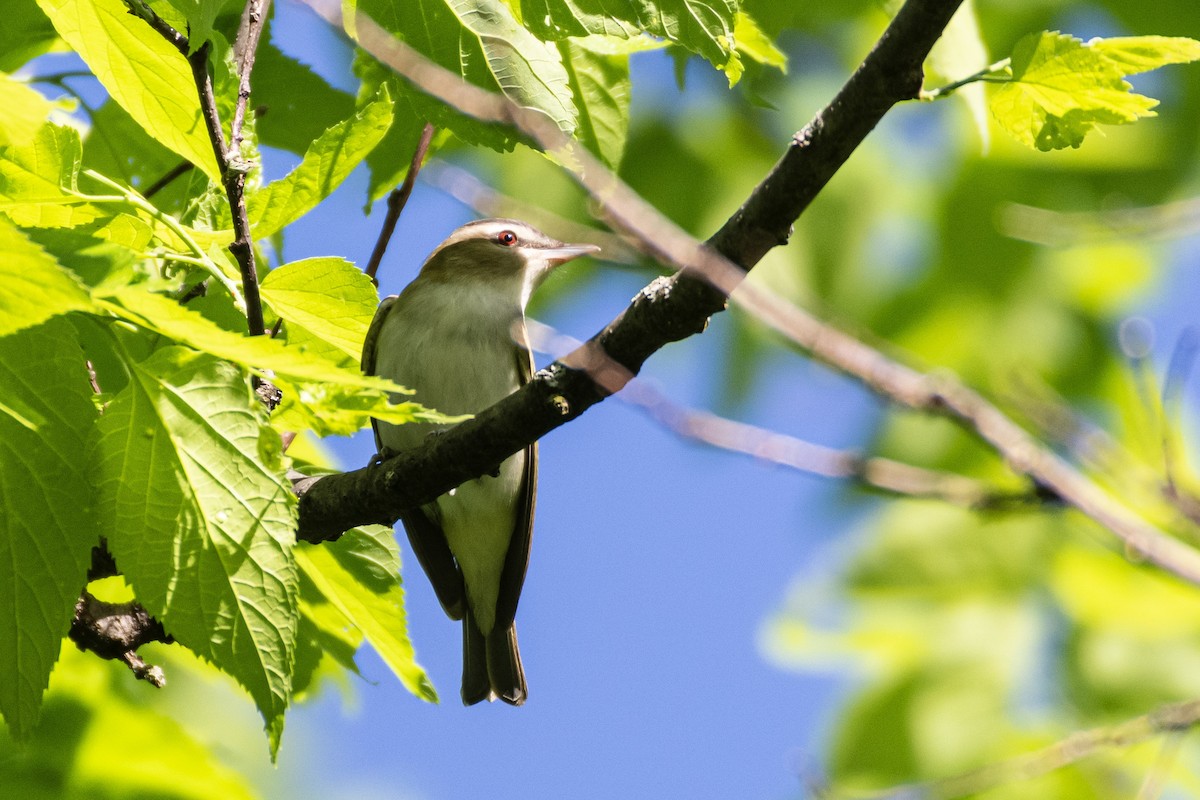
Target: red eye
506, 238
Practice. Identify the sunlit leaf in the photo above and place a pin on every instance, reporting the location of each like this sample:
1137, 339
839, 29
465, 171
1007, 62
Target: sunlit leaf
359, 574
46, 525
141, 71
198, 515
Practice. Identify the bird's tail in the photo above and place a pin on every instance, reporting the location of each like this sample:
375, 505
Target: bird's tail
491, 665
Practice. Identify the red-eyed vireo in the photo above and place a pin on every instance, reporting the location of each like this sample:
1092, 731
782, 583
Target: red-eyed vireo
456, 336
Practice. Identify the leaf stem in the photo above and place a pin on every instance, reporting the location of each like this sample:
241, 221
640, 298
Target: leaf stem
990, 74
126, 195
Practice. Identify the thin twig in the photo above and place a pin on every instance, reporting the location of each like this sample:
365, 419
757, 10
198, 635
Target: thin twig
233, 178
1173, 719
180, 169
396, 201
882, 474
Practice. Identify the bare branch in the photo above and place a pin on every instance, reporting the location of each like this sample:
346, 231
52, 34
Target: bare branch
182, 168
116, 631
882, 474
1173, 719
667, 310
397, 200
670, 309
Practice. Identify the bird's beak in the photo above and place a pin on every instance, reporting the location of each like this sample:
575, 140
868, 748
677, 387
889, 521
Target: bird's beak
567, 252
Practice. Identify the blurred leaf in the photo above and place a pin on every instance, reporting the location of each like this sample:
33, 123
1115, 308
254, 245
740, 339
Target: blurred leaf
141, 71
25, 109
46, 525
298, 105
89, 725
961, 52
601, 87
200, 519
753, 43
25, 34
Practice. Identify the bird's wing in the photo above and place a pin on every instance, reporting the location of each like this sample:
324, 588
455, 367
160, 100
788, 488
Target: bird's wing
517, 559
424, 535
370, 346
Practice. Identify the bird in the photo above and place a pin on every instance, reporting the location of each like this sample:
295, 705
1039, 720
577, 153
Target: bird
456, 336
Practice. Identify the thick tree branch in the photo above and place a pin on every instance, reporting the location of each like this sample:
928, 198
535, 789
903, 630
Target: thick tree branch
667, 310
672, 308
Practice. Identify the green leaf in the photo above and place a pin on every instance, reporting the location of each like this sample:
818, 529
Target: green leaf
326, 164
359, 574
600, 83
319, 394
119, 148
177, 322
200, 15
25, 110
46, 525
201, 520
1134, 54
754, 43
37, 180
328, 299
141, 71
481, 41
35, 286
1061, 88
25, 34
702, 26
299, 104
958, 52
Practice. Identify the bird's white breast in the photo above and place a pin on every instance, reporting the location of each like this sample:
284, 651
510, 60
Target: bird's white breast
454, 347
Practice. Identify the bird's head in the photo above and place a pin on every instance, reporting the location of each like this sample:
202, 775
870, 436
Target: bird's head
504, 252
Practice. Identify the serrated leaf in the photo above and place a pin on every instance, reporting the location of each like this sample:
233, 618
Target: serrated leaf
36, 287
600, 83
481, 41
37, 180
25, 109
46, 525
326, 164
528, 70
177, 322
329, 298
1134, 54
319, 394
702, 26
201, 521
1061, 88
359, 574
141, 71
